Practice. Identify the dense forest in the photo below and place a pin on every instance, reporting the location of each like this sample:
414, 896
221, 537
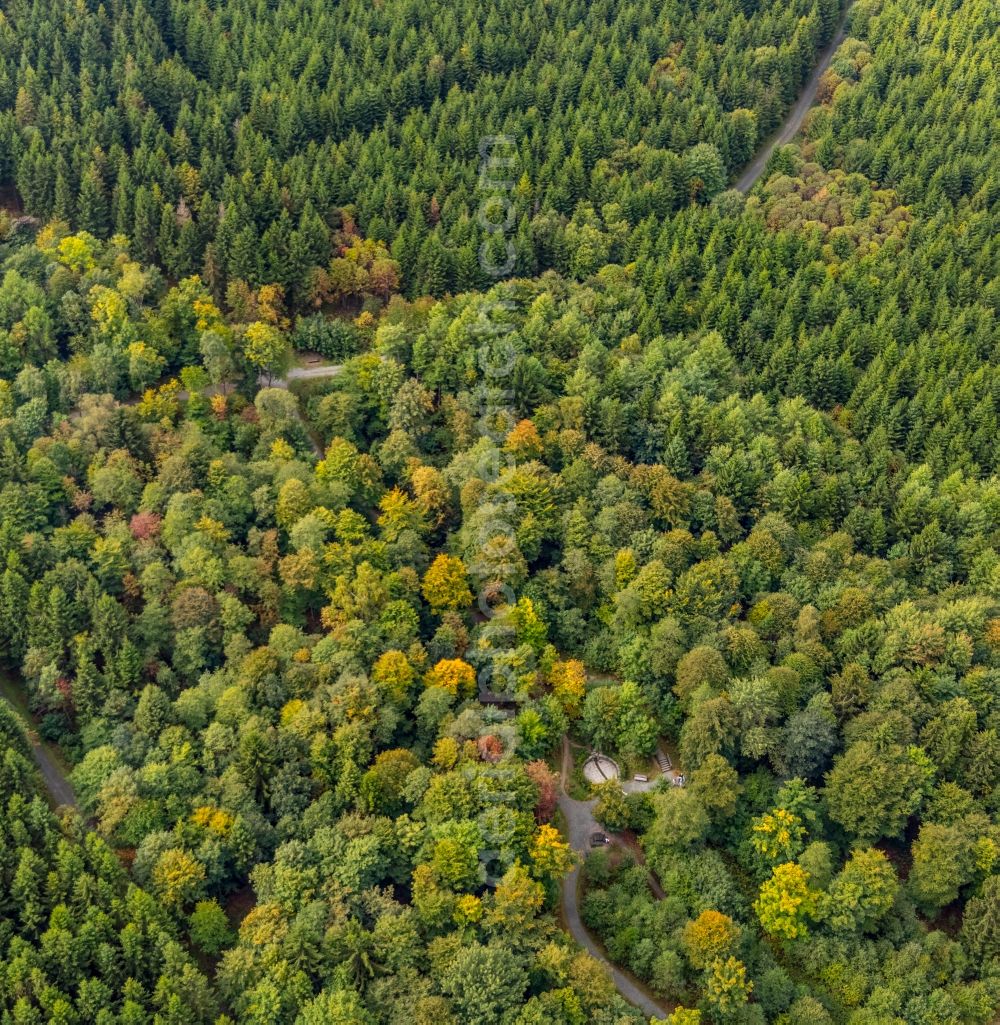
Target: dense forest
220, 137
704, 472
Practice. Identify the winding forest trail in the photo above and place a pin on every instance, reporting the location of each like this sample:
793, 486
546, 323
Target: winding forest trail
580, 824
48, 758
796, 116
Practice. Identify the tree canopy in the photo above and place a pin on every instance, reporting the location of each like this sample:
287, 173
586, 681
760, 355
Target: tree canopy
706, 471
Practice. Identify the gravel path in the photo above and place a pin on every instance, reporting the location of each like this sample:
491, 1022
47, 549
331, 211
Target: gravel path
50, 765
300, 374
305, 373
797, 115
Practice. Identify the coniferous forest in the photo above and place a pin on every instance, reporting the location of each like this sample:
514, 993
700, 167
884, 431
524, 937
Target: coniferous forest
400, 403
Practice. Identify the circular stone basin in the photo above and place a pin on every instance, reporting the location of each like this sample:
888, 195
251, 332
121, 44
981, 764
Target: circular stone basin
599, 769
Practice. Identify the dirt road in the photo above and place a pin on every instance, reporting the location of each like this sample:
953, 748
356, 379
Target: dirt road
54, 770
300, 374
797, 115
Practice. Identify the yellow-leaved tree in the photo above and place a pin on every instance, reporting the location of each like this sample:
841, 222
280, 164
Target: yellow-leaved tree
265, 347
786, 901
453, 675
551, 856
709, 937
392, 670
446, 584
727, 988
569, 684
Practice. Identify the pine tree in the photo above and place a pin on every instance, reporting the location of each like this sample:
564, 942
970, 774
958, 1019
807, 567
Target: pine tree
94, 209
432, 272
